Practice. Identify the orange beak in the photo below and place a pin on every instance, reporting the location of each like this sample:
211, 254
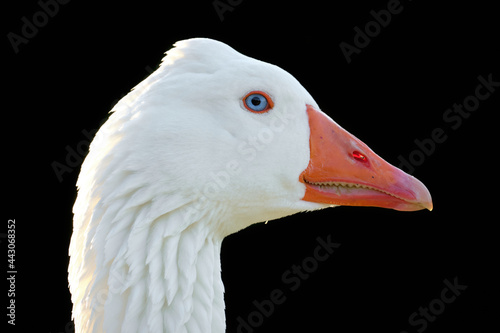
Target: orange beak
342, 170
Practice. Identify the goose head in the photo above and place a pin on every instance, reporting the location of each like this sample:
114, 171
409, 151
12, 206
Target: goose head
210, 143
225, 128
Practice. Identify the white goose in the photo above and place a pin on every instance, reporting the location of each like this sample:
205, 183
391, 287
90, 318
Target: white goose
210, 143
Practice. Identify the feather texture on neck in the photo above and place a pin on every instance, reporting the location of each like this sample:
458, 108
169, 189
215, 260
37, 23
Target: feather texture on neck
151, 265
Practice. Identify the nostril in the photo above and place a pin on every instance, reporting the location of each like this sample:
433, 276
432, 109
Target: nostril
359, 157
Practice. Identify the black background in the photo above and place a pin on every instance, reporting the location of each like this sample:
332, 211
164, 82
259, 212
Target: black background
67, 77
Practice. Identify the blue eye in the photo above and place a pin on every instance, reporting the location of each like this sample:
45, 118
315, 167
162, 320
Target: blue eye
257, 101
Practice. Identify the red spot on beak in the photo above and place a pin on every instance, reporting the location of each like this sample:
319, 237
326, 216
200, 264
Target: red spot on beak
358, 156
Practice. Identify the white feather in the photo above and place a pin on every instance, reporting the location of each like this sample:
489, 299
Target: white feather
172, 172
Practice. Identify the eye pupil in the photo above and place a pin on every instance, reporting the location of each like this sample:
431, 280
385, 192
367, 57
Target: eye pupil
255, 101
